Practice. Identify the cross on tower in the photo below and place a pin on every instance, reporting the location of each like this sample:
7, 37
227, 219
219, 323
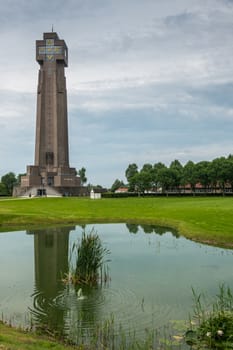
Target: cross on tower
51, 49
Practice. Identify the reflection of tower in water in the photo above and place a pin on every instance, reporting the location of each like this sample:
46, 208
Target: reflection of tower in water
56, 307
51, 247
51, 258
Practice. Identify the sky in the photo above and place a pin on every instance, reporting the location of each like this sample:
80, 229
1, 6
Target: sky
148, 81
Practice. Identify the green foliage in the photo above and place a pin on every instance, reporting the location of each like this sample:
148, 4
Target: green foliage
176, 170
103, 336
89, 255
130, 173
117, 183
12, 339
213, 324
210, 174
166, 178
119, 194
3, 189
9, 180
82, 174
142, 181
190, 174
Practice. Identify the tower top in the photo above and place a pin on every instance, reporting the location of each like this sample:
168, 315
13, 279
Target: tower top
50, 35
51, 49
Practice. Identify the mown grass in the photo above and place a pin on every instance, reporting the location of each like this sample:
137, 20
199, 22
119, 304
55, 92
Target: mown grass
203, 219
12, 339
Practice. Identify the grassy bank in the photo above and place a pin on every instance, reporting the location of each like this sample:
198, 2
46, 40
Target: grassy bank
105, 339
12, 339
203, 219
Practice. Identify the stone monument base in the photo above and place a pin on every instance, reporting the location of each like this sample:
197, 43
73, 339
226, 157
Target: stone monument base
50, 181
49, 191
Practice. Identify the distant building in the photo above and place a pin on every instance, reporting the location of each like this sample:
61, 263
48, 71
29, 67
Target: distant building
122, 190
95, 195
51, 173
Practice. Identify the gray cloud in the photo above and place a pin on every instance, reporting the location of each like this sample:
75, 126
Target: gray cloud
147, 81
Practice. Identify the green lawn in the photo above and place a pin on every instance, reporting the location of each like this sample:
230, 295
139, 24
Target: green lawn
205, 219
12, 339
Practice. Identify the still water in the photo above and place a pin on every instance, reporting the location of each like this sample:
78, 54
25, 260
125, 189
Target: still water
152, 273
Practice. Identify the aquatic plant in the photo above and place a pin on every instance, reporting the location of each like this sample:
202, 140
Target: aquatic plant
89, 260
109, 335
213, 324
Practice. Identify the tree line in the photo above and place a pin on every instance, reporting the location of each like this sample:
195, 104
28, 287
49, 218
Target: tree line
209, 175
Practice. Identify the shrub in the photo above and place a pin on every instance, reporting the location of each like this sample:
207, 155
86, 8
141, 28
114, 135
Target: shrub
213, 325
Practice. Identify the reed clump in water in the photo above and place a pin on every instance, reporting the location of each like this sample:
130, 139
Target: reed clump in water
88, 261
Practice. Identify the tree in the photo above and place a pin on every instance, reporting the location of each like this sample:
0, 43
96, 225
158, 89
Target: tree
147, 168
190, 175
141, 181
215, 172
130, 172
144, 179
82, 174
230, 169
203, 173
166, 178
9, 180
155, 171
3, 189
177, 173
116, 184
221, 170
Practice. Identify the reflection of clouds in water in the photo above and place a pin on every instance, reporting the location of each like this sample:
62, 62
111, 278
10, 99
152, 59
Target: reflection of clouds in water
129, 310
151, 278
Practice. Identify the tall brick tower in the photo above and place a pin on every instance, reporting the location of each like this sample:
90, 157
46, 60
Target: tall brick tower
51, 171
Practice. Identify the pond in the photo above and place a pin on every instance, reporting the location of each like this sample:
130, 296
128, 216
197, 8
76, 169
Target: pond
152, 271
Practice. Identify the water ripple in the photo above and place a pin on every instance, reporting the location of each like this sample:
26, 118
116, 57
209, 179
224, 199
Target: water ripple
128, 309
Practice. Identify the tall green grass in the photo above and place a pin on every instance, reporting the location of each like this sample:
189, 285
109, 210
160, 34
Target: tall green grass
107, 336
89, 256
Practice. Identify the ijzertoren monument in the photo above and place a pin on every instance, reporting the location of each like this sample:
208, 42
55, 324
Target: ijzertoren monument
51, 173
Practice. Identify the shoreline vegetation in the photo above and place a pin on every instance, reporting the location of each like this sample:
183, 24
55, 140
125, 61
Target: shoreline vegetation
206, 220
14, 339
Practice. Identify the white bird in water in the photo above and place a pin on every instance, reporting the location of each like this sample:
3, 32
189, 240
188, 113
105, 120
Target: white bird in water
80, 294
